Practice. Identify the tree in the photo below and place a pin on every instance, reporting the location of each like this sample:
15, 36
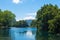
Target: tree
6, 18
54, 24
33, 23
1, 17
48, 20
9, 18
21, 23
46, 13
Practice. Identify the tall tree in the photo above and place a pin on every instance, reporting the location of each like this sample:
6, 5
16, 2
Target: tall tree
46, 13
9, 18
48, 20
6, 18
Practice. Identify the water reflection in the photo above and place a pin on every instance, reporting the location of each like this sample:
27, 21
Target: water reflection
4, 34
29, 33
22, 33
47, 36
26, 34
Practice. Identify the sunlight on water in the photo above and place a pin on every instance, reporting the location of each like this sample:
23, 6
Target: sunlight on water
22, 33
29, 33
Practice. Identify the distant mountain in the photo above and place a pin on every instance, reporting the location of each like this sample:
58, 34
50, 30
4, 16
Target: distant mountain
29, 22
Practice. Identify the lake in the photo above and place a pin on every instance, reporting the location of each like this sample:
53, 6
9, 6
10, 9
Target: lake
18, 33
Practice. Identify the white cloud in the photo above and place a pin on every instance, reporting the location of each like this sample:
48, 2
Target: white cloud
25, 18
16, 1
28, 16
19, 1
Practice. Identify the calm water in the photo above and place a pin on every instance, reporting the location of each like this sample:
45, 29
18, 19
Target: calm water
22, 33
18, 33
26, 34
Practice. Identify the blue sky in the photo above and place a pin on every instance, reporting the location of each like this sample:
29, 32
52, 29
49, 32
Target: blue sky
25, 9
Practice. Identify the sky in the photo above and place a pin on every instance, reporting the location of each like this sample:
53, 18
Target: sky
25, 9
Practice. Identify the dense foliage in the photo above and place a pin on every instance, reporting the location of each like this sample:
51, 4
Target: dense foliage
48, 21
48, 18
21, 23
33, 23
7, 18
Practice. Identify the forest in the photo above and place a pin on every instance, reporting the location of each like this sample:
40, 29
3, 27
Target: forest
7, 19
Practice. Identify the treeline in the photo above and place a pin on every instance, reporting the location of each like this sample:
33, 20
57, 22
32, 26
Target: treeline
48, 19
21, 23
7, 19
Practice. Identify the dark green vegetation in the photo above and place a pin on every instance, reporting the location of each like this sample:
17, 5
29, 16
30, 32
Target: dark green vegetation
33, 23
4, 34
48, 18
21, 23
7, 19
48, 22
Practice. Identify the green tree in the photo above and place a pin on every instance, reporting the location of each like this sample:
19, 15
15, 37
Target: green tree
46, 13
33, 23
21, 23
1, 17
48, 20
54, 24
9, 18
6, 18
